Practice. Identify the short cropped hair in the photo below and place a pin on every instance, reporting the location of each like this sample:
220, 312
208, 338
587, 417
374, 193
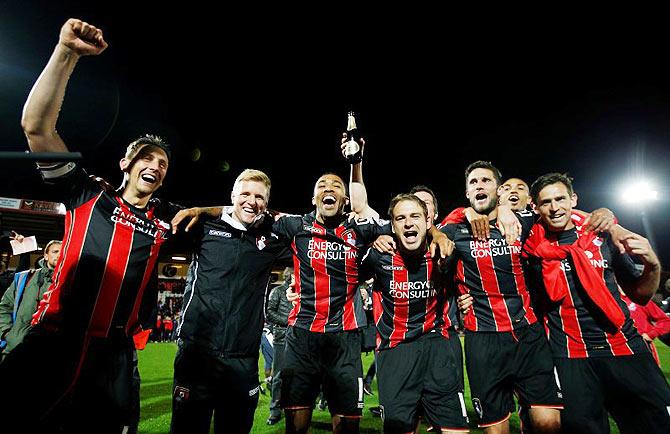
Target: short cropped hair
480, 164
418, 188
253, 175
410, 197
548, 179
148, 139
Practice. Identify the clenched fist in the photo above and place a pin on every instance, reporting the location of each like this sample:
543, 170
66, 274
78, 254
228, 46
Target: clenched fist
82, 38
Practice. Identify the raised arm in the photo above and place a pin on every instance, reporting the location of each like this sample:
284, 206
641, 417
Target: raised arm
358, 195
40, 112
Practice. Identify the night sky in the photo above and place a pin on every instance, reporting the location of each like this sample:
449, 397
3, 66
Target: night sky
249, 89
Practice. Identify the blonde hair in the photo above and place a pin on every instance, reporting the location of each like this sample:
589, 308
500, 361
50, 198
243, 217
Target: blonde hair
253, 175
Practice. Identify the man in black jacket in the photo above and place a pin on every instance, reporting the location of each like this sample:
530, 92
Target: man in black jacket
276, 313
216, 366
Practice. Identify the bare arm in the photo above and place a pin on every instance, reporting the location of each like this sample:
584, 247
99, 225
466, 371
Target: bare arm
40, 112
645, 286
193, 216
358, 195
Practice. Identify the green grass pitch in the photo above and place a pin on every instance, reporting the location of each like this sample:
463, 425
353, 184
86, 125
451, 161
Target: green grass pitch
156, 371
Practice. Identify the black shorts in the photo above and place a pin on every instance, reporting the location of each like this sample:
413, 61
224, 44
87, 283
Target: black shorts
632, 388
331, 360
455, 342
423, 375
80, 384
206, 384
504, 363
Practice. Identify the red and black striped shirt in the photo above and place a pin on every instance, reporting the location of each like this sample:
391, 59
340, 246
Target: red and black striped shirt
326, 270
491, 272
409, 297
575, 327
108, 256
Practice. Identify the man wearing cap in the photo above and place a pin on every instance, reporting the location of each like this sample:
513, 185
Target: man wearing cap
73, 372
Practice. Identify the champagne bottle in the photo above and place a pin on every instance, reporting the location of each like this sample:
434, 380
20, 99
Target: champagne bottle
352, 150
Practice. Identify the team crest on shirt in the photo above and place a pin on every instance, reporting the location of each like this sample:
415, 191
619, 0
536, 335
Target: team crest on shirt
260, 242
476, 403
598, 242
162, 224
348, 237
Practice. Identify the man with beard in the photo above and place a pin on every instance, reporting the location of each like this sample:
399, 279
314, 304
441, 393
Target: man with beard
505, 347
602, 362
418, 370
513, 193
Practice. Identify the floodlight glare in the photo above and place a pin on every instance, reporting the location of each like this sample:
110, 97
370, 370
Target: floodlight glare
638, 193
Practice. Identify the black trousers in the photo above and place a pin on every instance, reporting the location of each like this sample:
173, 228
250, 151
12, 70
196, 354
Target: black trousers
206, 385
277, 364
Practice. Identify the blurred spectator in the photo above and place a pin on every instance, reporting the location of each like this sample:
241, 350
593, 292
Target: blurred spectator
19, 301
167, 329
650, 321
277, 311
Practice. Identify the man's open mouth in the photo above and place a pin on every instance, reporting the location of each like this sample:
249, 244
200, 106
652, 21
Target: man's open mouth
329, 201
411, 236
149, 178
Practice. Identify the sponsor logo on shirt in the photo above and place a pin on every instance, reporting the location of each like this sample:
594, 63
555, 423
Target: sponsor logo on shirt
597, 263
403, 289
493, 247
223, 234
393, 267
314, 230
322, 249
138, 224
